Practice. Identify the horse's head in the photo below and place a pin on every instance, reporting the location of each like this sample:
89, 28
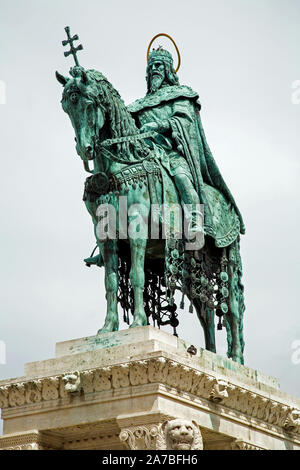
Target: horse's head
82, 103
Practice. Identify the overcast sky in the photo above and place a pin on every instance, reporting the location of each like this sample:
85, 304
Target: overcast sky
242, 56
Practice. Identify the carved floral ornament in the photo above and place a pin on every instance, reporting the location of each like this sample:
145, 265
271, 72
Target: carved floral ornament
155, 370
175, 434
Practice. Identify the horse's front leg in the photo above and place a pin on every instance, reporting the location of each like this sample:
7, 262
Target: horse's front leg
137, 279
208, 324
207, 320
110, 258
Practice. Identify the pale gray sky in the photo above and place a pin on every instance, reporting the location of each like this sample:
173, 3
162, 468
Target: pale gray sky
242, 56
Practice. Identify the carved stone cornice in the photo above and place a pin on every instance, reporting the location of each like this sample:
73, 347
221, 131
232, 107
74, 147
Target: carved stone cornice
92, 442
33, 440
242, 445
236, 444
160, 370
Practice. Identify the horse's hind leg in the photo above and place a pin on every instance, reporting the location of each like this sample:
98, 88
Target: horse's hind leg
207, 320
228, 333
110, 258
234, 346
137, 279
235, 315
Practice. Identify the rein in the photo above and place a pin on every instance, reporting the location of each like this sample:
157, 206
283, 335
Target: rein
127, 138
103, 147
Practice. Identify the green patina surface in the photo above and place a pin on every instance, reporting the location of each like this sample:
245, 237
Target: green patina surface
155, 152
105, 342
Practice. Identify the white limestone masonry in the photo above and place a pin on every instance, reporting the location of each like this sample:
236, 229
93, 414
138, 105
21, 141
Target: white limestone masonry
124, 389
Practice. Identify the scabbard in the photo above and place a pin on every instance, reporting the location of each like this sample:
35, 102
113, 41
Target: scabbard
153, 197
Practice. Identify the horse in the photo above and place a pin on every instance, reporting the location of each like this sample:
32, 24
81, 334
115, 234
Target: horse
126, 164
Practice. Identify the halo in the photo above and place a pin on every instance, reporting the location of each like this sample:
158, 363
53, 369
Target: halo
174, 44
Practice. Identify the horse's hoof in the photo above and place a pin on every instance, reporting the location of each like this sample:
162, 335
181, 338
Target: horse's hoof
237, 359
139, 322
109, 328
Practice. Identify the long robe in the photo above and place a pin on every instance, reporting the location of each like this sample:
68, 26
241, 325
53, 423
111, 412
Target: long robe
187, 151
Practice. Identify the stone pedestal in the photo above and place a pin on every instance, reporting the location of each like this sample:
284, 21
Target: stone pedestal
141, 389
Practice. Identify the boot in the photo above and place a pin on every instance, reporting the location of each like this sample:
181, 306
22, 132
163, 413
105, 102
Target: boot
195, 224
96, 260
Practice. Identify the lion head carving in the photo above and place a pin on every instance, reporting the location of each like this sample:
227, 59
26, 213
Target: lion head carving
180, 434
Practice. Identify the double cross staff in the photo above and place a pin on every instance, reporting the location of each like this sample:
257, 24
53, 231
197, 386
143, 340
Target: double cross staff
73, 50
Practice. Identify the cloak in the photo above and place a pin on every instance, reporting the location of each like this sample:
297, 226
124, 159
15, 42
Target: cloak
189, 138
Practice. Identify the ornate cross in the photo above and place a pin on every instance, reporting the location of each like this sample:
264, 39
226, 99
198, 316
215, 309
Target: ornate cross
73, 50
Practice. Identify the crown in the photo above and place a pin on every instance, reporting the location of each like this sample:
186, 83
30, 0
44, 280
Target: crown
160, 54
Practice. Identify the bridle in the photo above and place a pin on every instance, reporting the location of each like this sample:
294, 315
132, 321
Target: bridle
103, 147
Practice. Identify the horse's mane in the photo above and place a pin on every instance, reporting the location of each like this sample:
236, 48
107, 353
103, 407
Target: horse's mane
95, 86
121, 121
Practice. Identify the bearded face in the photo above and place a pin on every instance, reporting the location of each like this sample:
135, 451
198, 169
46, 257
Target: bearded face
157, 75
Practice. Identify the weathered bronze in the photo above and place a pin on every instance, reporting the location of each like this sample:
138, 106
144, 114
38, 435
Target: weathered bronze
174, 43
147, 157
73, 50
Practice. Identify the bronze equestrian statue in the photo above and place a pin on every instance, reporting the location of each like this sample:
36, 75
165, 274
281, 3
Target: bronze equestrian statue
150, 160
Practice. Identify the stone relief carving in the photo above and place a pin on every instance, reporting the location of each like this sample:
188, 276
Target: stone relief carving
17, 394
179, 434
158, 370
29, 441
241, 445
4, 393
138, 373
50, 389
219, 391
154, 370
33, 446
72, 382
292, 421
140, 437
33, 391
87, 378
102, 380
120, 376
